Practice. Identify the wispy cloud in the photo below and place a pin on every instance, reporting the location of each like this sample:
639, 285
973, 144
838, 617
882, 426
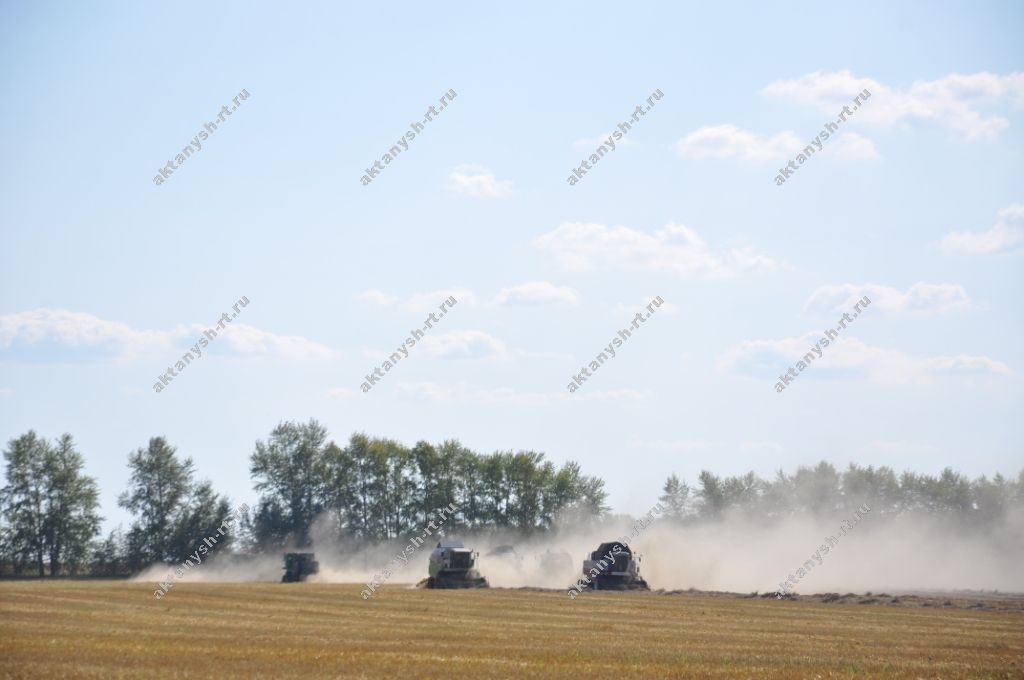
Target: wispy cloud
376, 297
922, 298
418, 303
122, 342
536, 293
850, 357
674, 248
955, 102
250, 340
850, 146
1005, 235
78, 329
477, 181
465, 344
732, 142
530, 293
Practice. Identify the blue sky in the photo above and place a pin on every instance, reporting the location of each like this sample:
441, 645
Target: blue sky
106, 279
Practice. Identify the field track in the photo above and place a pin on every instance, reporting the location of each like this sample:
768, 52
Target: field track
116, 629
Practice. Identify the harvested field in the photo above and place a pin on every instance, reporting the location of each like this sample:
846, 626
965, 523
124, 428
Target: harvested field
111, 629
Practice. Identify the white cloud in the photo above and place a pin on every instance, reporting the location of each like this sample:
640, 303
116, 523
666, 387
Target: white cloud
78, 329
478, 182
461, 394
729, 141
766, 359
6, 393
376, 297
249, 340
510, 397
419, 303
954, 102
850, 146
537, 293
465, 344
531, 293
926, 298
675, 248
1006, 234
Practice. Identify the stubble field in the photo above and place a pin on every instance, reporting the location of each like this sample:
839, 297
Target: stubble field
115, 629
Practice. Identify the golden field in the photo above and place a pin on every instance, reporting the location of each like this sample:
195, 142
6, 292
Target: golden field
116, 629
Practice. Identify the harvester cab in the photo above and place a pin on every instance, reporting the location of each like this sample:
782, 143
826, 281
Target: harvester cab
453, 565
297, 566
613, 566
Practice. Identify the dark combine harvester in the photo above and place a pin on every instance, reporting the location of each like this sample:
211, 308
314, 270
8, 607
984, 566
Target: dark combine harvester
297, 566
615, 568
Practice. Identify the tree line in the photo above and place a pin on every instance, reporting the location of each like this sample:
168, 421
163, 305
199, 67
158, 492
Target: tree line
824, 490
370, 489
375, 489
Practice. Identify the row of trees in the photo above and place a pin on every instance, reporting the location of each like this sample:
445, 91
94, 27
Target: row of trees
823, 490
374, 489
371, 489
49, 510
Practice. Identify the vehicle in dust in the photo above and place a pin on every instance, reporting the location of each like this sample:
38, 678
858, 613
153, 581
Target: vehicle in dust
613, 567
555, 563
297, 566
453, 565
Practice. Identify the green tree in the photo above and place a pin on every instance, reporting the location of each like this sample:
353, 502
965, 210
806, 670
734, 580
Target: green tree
743, 492
71, 517
109, 557
290, 470
200, 515
50, 505
712, 495
158, 487
24, 499
817, 490
675, 499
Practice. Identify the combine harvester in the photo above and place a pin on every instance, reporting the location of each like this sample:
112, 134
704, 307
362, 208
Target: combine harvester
453, 565
612, 567
297, 566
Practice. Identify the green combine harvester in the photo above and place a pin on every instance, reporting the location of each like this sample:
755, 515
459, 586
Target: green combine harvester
297, 566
